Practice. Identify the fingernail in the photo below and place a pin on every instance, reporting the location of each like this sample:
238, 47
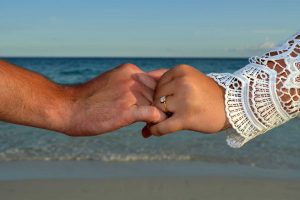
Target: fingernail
145, 132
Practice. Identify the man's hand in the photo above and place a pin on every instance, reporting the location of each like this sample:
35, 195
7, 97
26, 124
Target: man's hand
113, 100
195, 101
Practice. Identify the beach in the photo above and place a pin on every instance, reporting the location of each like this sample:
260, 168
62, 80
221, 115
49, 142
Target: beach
86, 67
146, 180
44, 165
152, 188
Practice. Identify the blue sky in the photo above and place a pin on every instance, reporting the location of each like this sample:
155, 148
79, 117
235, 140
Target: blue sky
144, 28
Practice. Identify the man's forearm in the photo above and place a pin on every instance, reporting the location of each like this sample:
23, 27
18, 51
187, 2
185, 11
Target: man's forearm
28, 98
108, 102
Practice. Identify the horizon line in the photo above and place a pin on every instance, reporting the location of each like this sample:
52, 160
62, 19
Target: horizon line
128, 57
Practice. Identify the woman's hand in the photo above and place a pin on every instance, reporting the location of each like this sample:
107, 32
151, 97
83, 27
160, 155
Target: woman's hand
195, 101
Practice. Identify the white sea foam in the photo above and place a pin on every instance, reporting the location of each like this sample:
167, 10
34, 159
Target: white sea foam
19, 154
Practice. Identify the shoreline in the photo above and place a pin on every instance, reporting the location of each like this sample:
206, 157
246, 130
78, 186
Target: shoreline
51, 170
184, 188
91, 180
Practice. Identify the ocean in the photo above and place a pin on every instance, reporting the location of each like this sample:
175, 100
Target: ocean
278, 149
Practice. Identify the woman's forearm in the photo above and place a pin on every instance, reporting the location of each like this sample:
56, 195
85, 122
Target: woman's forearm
264, 94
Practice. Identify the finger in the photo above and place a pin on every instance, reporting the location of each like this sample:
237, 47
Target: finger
166, 78
169, 106
146, 92
166, 89
149, 114
167, 126
146, 132
173, 73
157, 74
142, 90
147, 80
141, 100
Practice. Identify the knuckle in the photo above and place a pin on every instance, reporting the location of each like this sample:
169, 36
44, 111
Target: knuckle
128, 67
153, 112
183, 83
182, 67
126, 101
185, 80
188, 84
127, 83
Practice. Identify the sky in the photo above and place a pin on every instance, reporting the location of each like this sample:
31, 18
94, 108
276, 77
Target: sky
145, 28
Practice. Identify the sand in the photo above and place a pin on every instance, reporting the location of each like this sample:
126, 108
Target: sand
144, 181
152, 188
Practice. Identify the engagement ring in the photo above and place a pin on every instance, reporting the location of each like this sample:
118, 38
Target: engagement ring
163, 100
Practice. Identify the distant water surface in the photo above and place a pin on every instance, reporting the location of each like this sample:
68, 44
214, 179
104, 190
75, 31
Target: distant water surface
278, 149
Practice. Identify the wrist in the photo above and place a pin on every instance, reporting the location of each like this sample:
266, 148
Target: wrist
227, 124
225, 120
60, 110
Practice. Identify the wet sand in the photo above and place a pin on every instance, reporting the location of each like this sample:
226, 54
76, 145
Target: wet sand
147, 181
152, 188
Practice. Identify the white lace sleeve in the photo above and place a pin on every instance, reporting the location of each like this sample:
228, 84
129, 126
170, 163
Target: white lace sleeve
264, 94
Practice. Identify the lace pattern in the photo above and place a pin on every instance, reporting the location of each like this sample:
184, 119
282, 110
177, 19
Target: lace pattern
264, 94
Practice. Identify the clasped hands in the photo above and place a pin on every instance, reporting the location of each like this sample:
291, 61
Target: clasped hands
127, 94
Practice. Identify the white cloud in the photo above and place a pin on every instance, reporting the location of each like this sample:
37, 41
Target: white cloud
269, 31
248, 51
267, 45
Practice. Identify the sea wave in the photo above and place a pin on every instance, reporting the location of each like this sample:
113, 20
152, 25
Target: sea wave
21, 155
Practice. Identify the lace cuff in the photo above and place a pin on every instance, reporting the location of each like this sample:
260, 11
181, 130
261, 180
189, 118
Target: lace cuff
264, 94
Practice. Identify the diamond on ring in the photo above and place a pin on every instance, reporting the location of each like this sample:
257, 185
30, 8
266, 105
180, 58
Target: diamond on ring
163, 99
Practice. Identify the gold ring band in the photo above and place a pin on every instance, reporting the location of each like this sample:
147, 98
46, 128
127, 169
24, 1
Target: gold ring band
163, 100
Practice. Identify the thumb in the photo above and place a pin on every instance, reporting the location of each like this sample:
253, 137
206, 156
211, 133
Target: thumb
156, 74
149, 114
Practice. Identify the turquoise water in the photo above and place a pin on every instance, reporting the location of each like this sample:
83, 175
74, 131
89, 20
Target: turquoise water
278, 149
